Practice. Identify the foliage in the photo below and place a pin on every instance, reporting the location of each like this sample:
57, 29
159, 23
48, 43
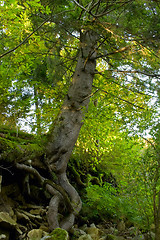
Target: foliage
107, 203
40, 45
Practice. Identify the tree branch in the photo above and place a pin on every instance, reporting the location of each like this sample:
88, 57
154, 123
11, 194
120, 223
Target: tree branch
119, 98
79, 5
137, 71
13, 49
123, 49
129, 89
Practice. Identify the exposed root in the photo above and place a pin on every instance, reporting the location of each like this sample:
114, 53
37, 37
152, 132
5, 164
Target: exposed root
63, 193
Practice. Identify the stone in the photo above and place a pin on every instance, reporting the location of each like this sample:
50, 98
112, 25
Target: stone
110, 237
59, 234
6, 221
35, 234
139, 237
113, 230
93, 232
85, 237
78, 232
102, 238
84, 227
4, 234
113, 237
0, 182
121, 226
152, 227
133, 231
119, 238
152, 235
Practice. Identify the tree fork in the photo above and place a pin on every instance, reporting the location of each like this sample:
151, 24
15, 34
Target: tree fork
69, 122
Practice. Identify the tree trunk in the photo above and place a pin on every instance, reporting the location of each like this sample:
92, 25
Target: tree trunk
157, 220
66, 130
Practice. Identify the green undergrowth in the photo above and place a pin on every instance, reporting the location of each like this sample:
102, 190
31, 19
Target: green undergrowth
16, 146
105, 203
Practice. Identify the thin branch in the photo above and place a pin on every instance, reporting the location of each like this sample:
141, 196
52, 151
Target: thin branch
5, 168
107, 12
129, 89
90, 95
119, 98
79, 5
13, 49
94, 5
24, 41
153, 146
123, 49
137, 71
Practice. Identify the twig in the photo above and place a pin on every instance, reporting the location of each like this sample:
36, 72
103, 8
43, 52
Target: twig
13, 49
119, 98
90, 95
7, 170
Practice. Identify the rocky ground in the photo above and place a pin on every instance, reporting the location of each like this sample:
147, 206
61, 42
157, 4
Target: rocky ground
23, 208
23, 221
23, 216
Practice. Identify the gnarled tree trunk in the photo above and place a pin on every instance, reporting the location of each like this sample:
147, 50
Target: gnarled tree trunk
66, 130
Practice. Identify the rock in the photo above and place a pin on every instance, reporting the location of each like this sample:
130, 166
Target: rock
4, 235
44, 228
0, 182
133, 231
84, 227
36, 211
152, 227
113, 230
6, 221
149, 236
121, 226
119, 238
152, 235
78, 232
139, 237
59, 234
35, 234
85, 237
110, 237
93, 232
113, 237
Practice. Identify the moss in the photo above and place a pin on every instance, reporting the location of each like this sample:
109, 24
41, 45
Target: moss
59, 234
12, 148
111, 237
12, 132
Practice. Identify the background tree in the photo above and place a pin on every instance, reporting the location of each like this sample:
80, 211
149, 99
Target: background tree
66, 48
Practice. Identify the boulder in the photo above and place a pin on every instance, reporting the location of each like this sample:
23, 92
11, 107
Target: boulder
139, 237
113, 237
59, 234
77, 232
6, 221
93, 232
4, 235
121, 226
85, 237
36, 234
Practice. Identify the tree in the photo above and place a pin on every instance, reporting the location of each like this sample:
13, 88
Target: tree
108, 50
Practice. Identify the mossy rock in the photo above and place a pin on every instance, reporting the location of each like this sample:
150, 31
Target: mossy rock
110, 237
59, 234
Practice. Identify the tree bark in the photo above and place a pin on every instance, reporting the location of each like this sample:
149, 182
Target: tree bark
157, 220
69, 122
